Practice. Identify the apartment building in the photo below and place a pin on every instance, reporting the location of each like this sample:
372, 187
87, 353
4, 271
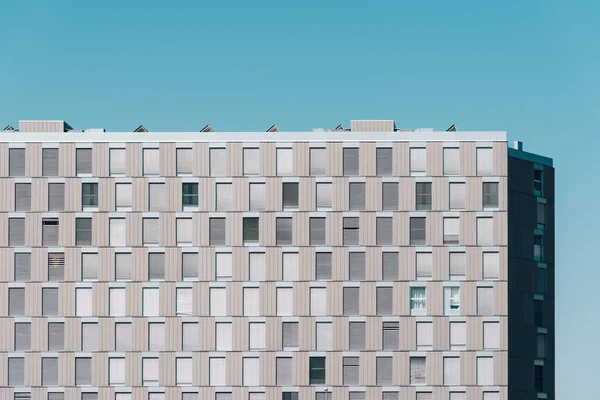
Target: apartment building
368, 263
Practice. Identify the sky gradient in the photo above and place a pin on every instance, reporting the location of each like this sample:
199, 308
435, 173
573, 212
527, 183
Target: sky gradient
530, 68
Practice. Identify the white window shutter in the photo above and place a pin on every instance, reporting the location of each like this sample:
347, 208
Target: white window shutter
185, 301
117, 232
218, 162
251, 302
185, 230
84, 302
184, 371
258, 336
218, 302
290, 266
251, 371
485, 371
424, 264
285, 301
458, 334
251, 161
318, 301
190, 336
151, 302
485, 301
151, 161
424, 334
485, 231
485, 160
218, 371
451, 371
257, 266
285, 162
324, 336
117, 299
451, 161
117, 371
491, 335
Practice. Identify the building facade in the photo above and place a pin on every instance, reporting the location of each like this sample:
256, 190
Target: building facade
366, 263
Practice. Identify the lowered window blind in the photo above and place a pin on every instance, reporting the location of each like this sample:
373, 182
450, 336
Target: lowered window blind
458, 265
357, 196
184, 371
418, 371
257, 196
356, 396
156, 266
22, 196
390, 396
83, 302
290, 195
424, 396
50, 371
218, 302
323, 396
117, 301
491, 396
350, 366
285, 301
257, 267
84, 161
56, 336
50, 232
90, 396
156, 336
491, 335
22, 336
189, 262
57, 396
317, 231
485, 231
218, 162
451, 161
250, 371
116, 367
117, 232
151, 161
389, 194
389, 262
185, 231
224, 197
457, 196
218, 235
189, 336
491, 265
461, 396
223, 396
16, 162
150, 371
351, 300
385, 300
385, 229
351, 161
185, 161
257, 336
185, 301
284, 371
83, 231
251, 161
485, 161
283, 231
50, 162
451, 371
290, 268
122, 336
56, 267
22, 267
323, 266
16, 301
424, 265
251, 302
122, 266
151, 302
458, 334
318, 161
356, 335
224, 266
218, 371
123, 196
391, 335
16, 231
485, 301
384, 163
285, 162
424, 335
324, 336
117, 161
89, 337
256, 396
290, 334
324, 192
418, 160
357, 266
318, 301
351, 231
151, 234
89, 265
16, 371
83, 371
384, 371
485, 371
417, 231
157, 197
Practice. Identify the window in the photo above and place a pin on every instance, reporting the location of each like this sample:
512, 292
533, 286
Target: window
318, 301
356, 395
538, 180
218, 232
283, 371
541, 345
389, 196
539, 378
356, 266
90, 396
391, 335
117, 232
491, 396
257, 196
16, 302
290, 266
16, 232
324, 191
123, 197
250, 371
491, 335
189, 332
490, 195
424, 265
390, 396
123, 339
541, 214
424, 335
184, 371
318, 161
485, 231
418, 371
156, 266
83, 302
257, 267
49, 162
117, 161
384, 161
285, 301
323, 266
351, 161
251, 302
491, 265
384, 371
457, 196
461, 396
324, 336
538, 248
22, 196
117, 300
189, 266
484, 161
22, 267
385, 231
56, 196
218, 302
285, 162
156, 197
317, 371
389, 266
189, 195
458, 265
418, 299
351, 231
56, 336
418, 161
50, 371
123, 396
423, 196
116, 367
289, 335
89, 196
538, 312
290, 195
185, 161
257, 336
451, 161
250, 231
151, 162
89, 264
451, 371
541, 281
452, 300
16, 371
49, 302
185, 231
218, 162
149, 371
357, 196
22, 335
356, 336
224, 266
350, 371
83, 371
317, 231
122, 266
224, 197
458, 335
417, 231
83, 231
251, 158
16, 161
150, 302
385, 300
485, 301
50, 232
485, 371
185, 301
283, 231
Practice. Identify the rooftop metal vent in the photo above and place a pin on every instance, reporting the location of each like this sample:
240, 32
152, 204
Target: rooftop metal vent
141, 128
273, 129
207, 128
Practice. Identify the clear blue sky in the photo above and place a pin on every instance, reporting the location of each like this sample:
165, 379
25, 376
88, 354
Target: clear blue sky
531, 68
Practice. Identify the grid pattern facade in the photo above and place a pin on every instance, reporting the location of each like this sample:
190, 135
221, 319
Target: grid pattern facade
254, 270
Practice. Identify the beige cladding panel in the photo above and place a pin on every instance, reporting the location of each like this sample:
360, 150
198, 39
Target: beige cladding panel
67, 158
334, 159
33, 159
367, 159
301, 159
